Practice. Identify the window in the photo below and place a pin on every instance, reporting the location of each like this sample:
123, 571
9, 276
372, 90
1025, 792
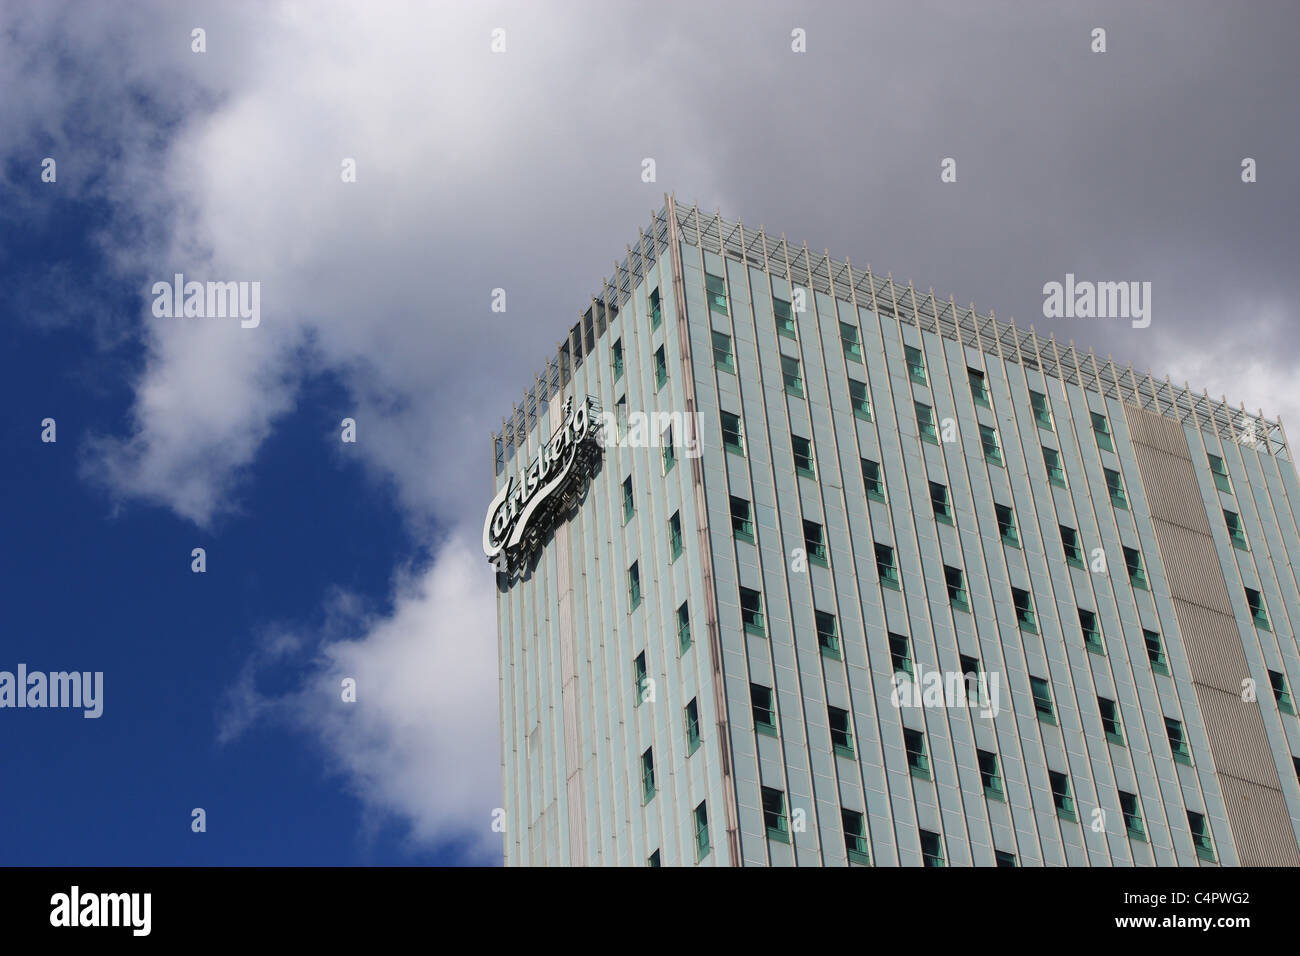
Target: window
1042, 413
760, 700
860, 400
670, 450
634, 586
648, 776
900, 655
814, 542
989, 442
654, 860
1178, 741
849, 339
1155, 651
692, 727
656, 313
871, 479
722, 357
1101, 428
1236, 533
1004, 858
628, 507
1201, 835
784, 317
931, 849
1220, 472
1007, 525
841, 731
791, 376
1115, 488
1110, 722
1255, 601
661, 368
1052, 461
886, 568
774, 815
855, 836
979, 389
620, 415
1070, 542
742, 522
1091, 632
917, 760
616, 353
828, 638
956, 581
732, 438
640, 680
1042, 692
925, 422
940, 503
751, 611
1280, 692
1133, 561
716, 287
675, 535
803, 456
990, 777
915, 365
970, 669
684, 627
701, 832
1128, 805
1024, 605
1061, 795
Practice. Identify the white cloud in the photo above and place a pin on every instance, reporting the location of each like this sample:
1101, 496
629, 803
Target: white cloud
421, 741
1236, 367
229, 169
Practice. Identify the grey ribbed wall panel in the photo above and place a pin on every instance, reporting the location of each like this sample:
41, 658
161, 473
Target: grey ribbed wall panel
1156, 431
1170, 483
1237, 739
1205, 634
1244, 767
1192, 564
1264, 836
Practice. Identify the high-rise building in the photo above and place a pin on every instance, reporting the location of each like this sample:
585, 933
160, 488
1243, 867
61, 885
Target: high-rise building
884, 581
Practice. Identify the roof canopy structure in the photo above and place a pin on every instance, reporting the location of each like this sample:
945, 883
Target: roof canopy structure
884, 297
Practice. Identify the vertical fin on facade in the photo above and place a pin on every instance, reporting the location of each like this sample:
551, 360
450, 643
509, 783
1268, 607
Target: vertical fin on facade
574, 795
731, 810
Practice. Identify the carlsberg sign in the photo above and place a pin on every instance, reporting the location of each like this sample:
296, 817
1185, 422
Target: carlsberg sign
526, 508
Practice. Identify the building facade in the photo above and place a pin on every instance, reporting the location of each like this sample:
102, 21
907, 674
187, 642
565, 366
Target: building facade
884, 582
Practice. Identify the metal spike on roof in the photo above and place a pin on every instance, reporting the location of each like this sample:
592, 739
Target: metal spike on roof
984, 331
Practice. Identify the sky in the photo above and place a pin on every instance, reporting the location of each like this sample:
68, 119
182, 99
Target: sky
516, 168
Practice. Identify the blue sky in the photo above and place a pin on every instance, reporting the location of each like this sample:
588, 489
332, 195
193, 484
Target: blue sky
478, 170
90, 587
